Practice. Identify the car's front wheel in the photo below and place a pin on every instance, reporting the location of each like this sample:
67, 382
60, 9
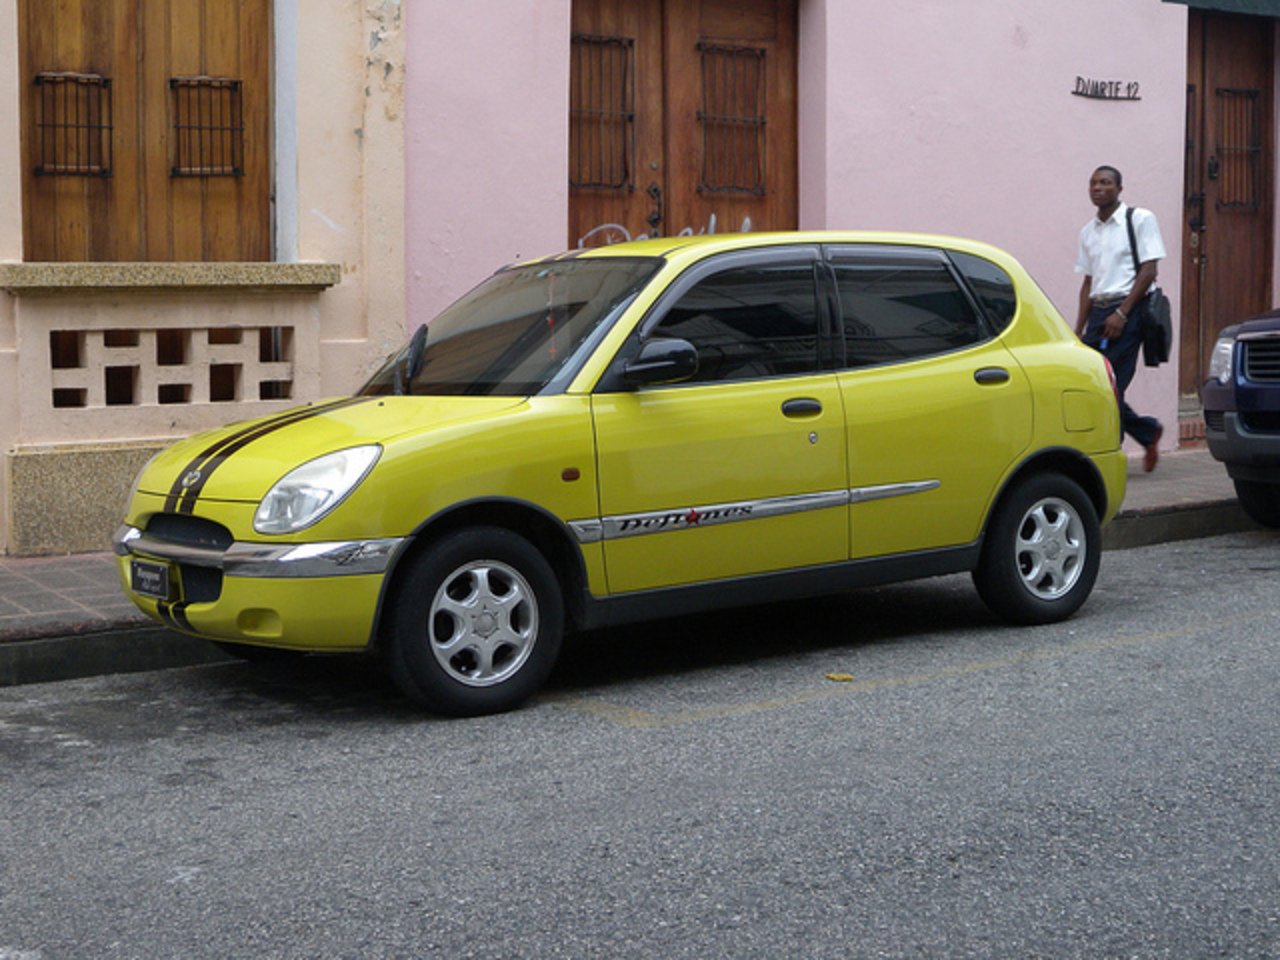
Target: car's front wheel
1041, 552
476, 623
1261, 501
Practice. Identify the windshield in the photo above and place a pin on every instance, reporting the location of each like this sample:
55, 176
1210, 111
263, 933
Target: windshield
512, 334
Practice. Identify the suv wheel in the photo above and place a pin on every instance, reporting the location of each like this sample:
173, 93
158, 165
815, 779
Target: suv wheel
476, 623
1261, 501
1041, 552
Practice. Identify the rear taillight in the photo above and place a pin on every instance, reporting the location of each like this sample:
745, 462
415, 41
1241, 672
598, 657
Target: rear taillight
1111, 375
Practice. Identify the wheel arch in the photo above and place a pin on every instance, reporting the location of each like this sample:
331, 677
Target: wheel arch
547, 533
1063, 460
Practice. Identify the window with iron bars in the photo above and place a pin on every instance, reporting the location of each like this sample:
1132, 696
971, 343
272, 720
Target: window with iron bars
602, 112
73, 125
732, 119
208, 127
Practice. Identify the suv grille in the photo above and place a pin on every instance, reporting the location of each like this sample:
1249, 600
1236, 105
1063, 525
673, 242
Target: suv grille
1262, 360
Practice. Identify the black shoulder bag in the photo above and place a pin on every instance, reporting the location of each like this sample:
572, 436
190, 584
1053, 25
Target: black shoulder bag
1157, 318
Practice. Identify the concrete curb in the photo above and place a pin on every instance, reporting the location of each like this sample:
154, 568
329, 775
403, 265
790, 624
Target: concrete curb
1168, 524
116, 650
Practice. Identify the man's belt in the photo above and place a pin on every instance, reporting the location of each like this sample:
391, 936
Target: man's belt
1108, 301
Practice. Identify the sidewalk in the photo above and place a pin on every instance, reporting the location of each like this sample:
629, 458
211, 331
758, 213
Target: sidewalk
64, 617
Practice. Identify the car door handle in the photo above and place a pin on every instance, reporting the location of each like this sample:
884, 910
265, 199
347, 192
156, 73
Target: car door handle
802, 407
991, 375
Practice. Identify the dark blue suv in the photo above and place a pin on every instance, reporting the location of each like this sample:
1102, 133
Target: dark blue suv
1242, 412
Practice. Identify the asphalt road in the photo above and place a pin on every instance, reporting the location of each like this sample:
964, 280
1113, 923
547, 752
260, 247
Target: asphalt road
1108, 787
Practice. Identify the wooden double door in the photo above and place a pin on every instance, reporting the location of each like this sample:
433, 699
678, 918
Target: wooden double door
682, 118
1229, 213
146, 129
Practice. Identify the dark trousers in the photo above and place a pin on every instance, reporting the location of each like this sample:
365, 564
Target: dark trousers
1123, 355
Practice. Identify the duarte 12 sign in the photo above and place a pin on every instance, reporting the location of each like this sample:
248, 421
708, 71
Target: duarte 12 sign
1107, 89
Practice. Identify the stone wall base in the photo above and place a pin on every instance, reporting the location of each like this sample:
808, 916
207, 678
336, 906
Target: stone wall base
69, 498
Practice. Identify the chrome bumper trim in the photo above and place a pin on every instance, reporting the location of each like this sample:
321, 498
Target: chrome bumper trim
337, 558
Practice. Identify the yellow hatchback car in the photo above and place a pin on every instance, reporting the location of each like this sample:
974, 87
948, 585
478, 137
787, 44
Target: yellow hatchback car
639, 430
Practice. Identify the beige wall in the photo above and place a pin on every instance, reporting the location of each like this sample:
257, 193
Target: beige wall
66, 470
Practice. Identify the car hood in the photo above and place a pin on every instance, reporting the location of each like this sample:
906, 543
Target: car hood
1261, 324
243, 460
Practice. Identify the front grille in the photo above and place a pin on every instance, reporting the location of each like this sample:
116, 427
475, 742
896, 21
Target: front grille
1214, 421
200, 584
1262, 360
189, 531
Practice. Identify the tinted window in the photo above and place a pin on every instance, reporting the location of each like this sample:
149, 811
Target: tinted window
896, 309
991, 285
749, 322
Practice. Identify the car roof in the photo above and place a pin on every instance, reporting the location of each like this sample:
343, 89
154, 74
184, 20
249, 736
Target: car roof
697, 246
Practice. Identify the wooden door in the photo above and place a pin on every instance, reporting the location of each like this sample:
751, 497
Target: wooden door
1230, 207
146, 129
682, 118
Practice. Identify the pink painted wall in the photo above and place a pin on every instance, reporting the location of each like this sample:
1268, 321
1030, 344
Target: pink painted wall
486, 142
959, 118
917, 115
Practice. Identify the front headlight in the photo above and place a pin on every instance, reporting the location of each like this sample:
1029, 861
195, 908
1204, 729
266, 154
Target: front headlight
1220, 360
307, 493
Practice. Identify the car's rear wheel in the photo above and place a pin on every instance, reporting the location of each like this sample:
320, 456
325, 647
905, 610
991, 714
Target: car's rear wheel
476, 623
1041, 552
1261, 501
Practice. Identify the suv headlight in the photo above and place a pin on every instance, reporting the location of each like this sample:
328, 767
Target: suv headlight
1220, 360
307, 493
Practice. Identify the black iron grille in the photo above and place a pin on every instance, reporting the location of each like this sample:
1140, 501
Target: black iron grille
1262, 360
602, 112
208, 127
732, 119
73, 125
1239, 147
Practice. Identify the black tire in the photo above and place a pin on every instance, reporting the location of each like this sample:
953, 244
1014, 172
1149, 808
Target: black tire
475, 624
1041, 552
1261, 501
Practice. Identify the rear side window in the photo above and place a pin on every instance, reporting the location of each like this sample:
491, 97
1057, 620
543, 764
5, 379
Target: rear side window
991, 285
749, 322
896, 308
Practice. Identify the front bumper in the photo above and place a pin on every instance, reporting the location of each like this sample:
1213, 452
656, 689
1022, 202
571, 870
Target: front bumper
311, 596
1248, 455
267, 560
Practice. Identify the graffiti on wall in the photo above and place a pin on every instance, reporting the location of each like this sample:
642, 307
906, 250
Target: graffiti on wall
608, 233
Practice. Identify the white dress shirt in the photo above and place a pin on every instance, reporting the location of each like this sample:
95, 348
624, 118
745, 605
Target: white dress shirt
1104, 251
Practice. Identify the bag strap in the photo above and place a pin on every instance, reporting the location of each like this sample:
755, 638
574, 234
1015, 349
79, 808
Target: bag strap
1133, 241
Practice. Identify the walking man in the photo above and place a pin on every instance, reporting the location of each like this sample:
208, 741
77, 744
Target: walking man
1113, 295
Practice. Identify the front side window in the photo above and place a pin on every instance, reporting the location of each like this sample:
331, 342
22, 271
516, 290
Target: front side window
896, 308
749, 322
516, 331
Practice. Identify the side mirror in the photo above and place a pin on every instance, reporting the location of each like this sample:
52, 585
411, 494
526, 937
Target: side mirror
661, 360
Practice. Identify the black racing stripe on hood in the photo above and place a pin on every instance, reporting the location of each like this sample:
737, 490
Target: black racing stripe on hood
183, 499
198, 461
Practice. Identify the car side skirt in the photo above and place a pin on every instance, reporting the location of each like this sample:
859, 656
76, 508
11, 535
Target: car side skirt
769, 588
